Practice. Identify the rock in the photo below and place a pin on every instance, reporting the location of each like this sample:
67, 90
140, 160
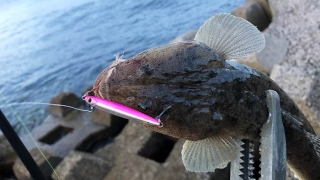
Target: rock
64, 98
298, 22
78, 165
7, 157
265, 6
129, 142
253, 12
188, 36
134, 168
21, 171
101, 138
123, 153
158, 156
273, 53
101, 117
59, 136
303, 86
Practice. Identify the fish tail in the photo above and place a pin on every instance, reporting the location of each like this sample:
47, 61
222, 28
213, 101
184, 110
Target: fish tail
230, 37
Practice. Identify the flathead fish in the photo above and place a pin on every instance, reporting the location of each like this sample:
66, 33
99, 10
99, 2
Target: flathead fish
213, 98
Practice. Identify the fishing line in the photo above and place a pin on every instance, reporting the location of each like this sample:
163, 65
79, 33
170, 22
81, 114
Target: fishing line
29, 134
49, 104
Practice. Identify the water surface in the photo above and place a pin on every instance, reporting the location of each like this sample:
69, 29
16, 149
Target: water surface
53, 46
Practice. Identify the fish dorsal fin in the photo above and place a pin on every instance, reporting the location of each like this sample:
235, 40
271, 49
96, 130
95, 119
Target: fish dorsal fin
208, 154
231, 37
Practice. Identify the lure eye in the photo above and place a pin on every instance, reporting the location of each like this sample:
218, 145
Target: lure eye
89, 100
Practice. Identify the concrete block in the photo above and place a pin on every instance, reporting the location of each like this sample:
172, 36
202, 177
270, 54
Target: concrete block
78, 165
298, 74
21, 171
254, 12
134, 167
137, 145
64, 98
174, 169
59, 137
303, 86
298, 21
130, 141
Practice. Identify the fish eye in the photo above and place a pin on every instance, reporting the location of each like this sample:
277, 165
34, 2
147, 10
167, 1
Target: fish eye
89, 100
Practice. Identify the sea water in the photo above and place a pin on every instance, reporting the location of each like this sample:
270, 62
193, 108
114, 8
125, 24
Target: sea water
50, 46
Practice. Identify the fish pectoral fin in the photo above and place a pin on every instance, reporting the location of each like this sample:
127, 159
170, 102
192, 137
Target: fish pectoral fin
230, 37
208, 154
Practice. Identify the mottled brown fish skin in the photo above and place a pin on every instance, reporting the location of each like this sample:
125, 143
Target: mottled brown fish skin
207, 95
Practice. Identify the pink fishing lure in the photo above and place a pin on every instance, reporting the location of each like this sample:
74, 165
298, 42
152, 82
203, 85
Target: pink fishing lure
119, 110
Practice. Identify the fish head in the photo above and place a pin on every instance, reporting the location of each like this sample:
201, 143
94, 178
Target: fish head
152, 66
161, 77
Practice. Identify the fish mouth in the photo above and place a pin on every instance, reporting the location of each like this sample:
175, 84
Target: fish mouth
101, 86
97, 92
97, 85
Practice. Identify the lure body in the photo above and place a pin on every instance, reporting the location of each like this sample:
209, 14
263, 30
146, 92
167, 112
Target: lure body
119, 110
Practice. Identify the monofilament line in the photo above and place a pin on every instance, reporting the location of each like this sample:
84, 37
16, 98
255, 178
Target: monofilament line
49, 104
29, 134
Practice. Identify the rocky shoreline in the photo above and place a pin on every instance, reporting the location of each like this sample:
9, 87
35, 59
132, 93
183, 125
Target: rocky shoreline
97, 145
